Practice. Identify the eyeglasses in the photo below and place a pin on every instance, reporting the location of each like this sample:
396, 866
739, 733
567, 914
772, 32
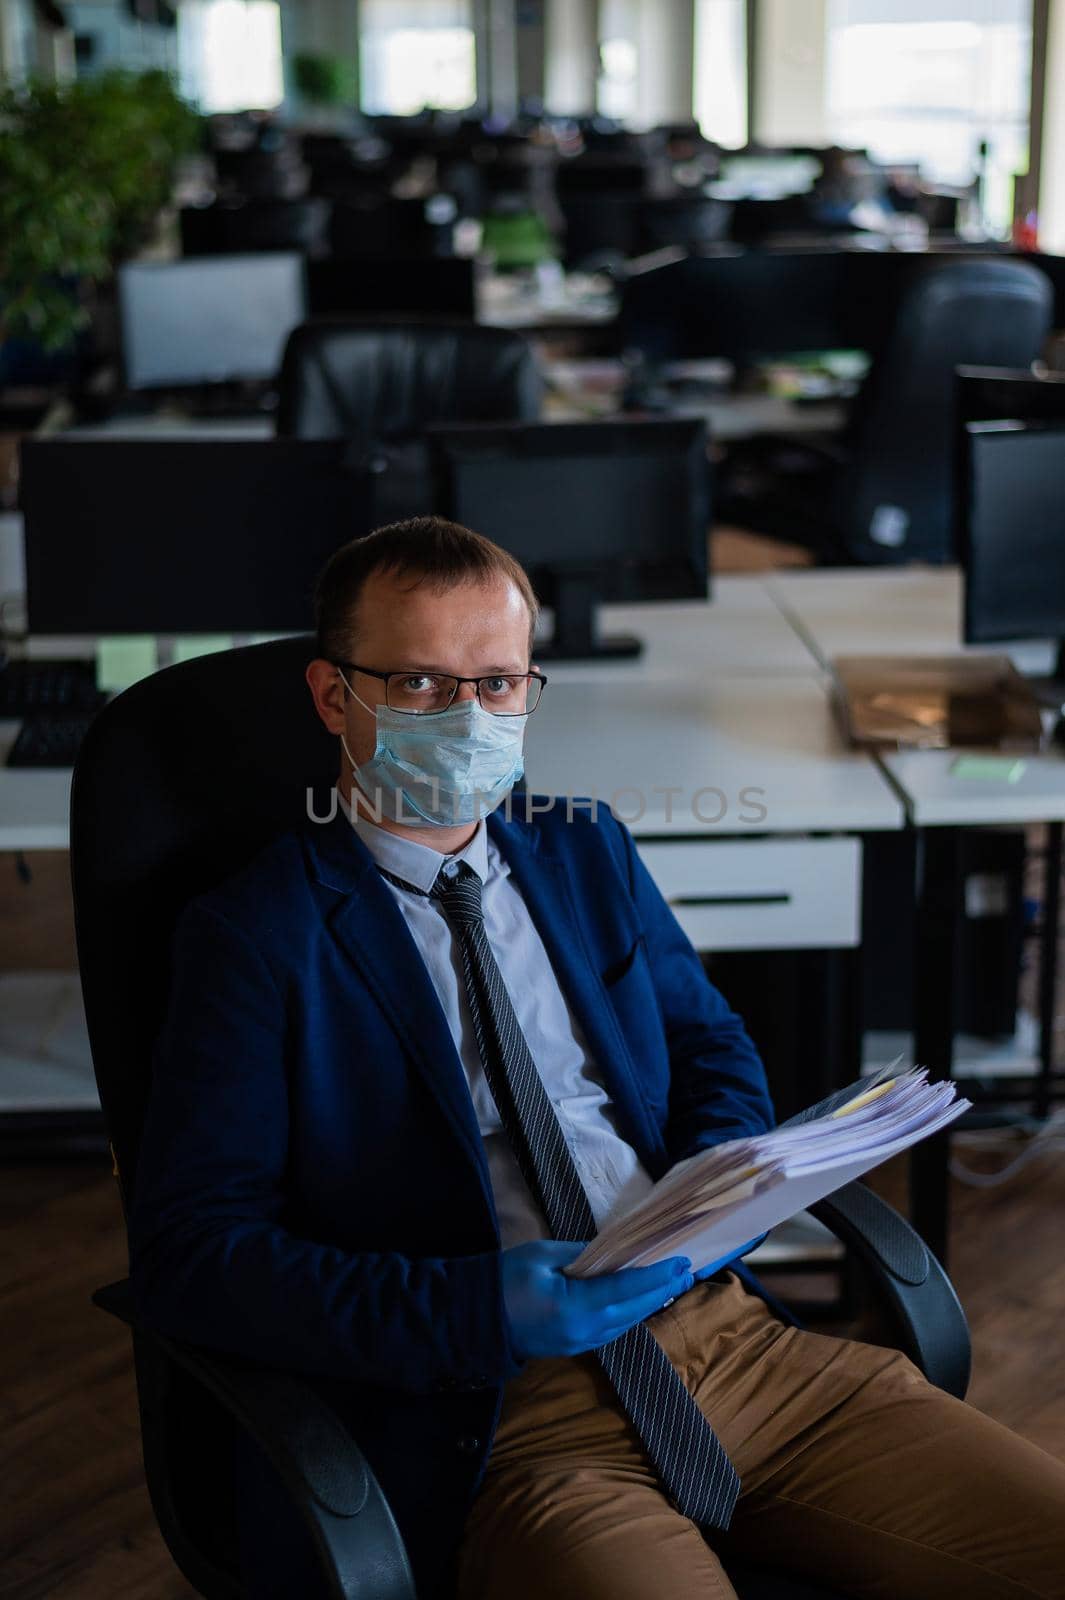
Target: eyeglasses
504, 694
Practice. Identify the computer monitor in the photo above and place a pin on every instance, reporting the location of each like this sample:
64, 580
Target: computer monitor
391, 286
594, 511
209, 319
1011, 533
760, 303
739, 307
183, 536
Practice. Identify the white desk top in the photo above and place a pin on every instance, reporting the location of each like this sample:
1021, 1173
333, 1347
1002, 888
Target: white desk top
724, 736
727, 416
743, 416
740, 631
161, 425
888, 611
34, 802
915, 611
725, 696
937, 797
751, 712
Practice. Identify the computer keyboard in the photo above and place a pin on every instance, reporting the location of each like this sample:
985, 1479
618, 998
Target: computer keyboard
28, 687
49, 739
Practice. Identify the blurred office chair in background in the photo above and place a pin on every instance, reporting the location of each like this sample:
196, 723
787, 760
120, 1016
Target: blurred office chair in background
372, 382
380, 385
883, 493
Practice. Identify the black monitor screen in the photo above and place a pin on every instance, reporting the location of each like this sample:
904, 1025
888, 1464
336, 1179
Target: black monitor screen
209, 319
203, 536
442, 286
626, 502
1012, 533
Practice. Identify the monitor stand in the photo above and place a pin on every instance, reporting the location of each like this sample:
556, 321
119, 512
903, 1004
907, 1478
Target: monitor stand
576, 636
1049, 691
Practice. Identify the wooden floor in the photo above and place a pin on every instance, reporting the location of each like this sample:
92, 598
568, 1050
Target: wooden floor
75, 1521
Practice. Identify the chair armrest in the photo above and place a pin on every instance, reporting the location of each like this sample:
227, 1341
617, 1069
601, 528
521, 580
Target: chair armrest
329, 1480
934, 1331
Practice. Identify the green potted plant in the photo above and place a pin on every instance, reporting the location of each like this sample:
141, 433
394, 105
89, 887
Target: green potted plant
84, 170
324, 80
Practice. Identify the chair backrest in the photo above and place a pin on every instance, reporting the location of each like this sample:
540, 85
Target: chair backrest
371, 382
179, 782
894, 502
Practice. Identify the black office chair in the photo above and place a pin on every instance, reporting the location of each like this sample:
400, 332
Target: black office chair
376, 381
884, 492
181, 780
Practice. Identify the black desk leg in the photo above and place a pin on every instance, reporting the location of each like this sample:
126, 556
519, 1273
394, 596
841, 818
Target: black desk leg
937, 904
1048, 967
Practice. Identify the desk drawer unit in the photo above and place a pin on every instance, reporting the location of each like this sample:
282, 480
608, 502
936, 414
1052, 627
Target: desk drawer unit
761, 894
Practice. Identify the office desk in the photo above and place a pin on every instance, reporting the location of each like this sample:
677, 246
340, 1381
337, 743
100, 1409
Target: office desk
888, 611
919, 611
751, 816
743, 631
729, 416
577, 301
940, 805
34, 802
774, 736
176, 425
722, 781
774, 716
725, 699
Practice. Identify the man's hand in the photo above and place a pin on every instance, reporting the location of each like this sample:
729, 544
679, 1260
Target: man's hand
551, 1314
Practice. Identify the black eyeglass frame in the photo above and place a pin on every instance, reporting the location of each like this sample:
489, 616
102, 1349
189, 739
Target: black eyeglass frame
486, 677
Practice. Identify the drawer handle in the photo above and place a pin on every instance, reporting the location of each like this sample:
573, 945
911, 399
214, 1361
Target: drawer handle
730, 900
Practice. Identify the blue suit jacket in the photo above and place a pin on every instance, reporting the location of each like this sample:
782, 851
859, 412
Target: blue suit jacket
312, 1189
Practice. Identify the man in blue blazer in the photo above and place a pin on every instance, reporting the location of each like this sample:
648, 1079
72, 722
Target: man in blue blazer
330, 1182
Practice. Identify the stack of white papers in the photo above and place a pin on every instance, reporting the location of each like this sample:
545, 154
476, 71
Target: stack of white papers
717, 1201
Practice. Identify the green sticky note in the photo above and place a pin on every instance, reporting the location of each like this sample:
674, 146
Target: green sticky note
201, 644
992, 769
125, 659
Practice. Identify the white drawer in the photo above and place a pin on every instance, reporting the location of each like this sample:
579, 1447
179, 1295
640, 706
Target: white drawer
762, 894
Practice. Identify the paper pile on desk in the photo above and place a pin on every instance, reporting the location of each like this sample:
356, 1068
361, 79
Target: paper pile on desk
716, 1201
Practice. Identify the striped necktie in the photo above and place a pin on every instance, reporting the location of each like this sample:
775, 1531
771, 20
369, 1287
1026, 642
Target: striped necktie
686, 1453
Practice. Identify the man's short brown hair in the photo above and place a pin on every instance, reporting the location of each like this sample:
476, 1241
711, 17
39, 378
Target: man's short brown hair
424, 549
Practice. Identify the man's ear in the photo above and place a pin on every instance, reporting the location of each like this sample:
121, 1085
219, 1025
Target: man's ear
327, 692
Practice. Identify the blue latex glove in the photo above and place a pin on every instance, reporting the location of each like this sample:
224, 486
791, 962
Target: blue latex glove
734, 1255
550, 1314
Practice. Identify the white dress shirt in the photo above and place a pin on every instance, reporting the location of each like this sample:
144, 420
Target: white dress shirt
609, 1168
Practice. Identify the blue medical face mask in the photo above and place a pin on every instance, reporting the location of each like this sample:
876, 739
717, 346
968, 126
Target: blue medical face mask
441, 769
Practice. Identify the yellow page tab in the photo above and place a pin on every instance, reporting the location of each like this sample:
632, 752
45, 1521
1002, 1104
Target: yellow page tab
864, 1099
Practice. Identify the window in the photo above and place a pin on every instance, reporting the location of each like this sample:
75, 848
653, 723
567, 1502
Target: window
416, 53
619, 60
229, 54
927, 80
720, 84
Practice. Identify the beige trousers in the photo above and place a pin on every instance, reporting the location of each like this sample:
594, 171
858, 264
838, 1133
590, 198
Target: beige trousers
855, 1470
